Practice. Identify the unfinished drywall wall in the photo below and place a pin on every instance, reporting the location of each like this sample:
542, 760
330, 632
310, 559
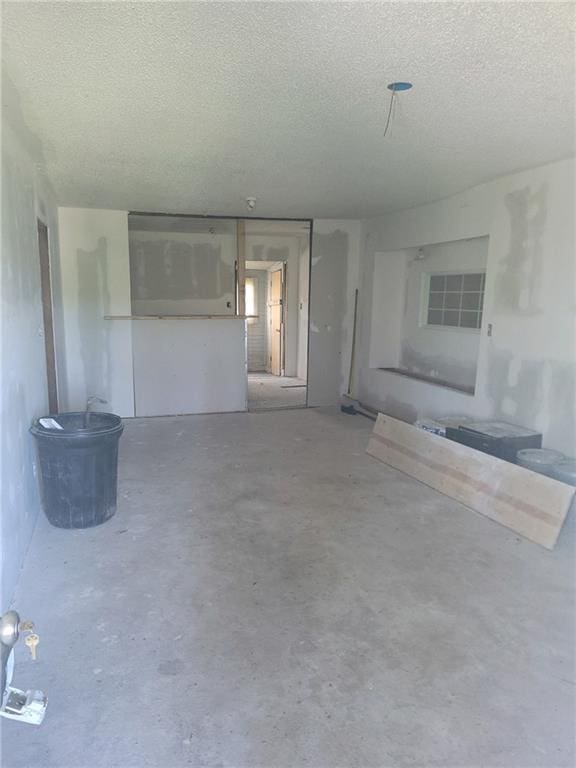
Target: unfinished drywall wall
387, 309
179, 272
26, 196
189, 366
94, 263
334, 279
256, 327
527, 366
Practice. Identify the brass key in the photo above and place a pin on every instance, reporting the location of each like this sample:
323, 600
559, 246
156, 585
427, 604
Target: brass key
32, 641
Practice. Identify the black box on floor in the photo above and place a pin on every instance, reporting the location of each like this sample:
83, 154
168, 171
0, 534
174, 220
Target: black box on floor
496, 438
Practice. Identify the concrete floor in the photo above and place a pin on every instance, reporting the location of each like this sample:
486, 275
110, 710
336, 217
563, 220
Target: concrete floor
268, 595
266, 392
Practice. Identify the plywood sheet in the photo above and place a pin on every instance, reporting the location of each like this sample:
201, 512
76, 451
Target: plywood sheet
530, 504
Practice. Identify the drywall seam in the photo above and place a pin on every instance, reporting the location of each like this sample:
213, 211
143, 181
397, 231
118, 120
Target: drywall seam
333, 281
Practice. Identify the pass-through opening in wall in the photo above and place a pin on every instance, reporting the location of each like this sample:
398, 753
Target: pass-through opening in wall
256, 270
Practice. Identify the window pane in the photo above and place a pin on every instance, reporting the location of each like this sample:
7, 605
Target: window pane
435, 317
450, 317
250, 296
473, 282
471, 300
437, 282
436, 301
454, 282
452, 300
456, 300
469, 320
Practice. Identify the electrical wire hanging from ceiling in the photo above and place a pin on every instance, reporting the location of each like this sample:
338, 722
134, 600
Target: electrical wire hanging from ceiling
394, 88
389, 113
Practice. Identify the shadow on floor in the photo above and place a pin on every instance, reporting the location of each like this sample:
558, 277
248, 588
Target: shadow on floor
266, 392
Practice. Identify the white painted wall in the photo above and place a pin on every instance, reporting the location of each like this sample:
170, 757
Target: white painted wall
527, 369
189, 366
336, 248
94, 263
26, 196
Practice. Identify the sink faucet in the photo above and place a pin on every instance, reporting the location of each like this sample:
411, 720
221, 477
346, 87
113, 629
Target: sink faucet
89, 403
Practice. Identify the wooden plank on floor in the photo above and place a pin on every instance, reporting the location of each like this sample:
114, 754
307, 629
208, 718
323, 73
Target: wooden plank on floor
533, 505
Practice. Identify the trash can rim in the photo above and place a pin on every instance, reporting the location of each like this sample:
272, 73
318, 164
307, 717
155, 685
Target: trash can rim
92, 431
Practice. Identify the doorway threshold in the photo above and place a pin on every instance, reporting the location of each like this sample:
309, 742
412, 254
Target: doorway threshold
264, 409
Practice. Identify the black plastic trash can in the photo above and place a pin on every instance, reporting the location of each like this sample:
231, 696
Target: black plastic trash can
78, 467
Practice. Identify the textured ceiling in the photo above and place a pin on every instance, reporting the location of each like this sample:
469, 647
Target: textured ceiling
192, 107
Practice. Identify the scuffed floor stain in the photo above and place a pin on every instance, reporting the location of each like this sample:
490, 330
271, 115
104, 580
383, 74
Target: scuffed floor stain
171, 667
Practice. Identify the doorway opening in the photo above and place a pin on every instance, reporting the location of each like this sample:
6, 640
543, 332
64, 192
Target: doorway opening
232, 296
276, 273
48, 329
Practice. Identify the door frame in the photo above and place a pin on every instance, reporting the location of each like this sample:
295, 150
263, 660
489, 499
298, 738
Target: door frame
47, 313
241, 257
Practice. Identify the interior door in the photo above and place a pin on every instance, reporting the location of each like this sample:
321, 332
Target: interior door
275, 313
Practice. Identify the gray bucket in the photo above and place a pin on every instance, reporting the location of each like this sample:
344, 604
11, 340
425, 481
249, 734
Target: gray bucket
565, 471
540, 460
